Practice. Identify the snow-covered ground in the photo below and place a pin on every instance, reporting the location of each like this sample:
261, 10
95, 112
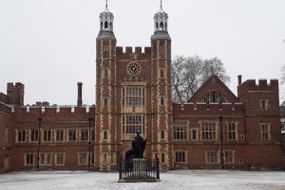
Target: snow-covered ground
173, 180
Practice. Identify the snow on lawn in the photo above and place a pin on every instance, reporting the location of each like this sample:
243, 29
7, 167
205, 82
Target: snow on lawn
173, 180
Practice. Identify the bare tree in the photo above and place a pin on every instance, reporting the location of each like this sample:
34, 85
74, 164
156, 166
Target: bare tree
283, 75
189, 73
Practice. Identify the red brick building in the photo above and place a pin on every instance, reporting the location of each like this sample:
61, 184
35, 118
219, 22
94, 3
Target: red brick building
214, 129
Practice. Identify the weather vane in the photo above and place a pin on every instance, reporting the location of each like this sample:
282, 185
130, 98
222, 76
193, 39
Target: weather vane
160, 4
106, 4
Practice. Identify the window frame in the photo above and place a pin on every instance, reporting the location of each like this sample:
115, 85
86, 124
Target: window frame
180, 157
208, 131
231, 132
74, 136
133, 96
209, 157
263, 133
180, 131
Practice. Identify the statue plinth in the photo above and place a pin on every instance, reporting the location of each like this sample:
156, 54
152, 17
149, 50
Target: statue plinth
139, 167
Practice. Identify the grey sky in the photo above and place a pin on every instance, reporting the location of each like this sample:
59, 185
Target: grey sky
49, 45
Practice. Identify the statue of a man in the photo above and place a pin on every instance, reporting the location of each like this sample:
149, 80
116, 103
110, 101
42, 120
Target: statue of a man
138, 145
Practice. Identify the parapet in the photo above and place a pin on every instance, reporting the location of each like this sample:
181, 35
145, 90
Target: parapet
262, 84
55, 110
14, 86
137, 53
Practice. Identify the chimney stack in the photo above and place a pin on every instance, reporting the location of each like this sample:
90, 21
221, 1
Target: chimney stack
79, 94
239, 79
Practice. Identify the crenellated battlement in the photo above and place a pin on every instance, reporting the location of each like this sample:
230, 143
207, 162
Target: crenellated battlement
15, 86
133, 53
260, 85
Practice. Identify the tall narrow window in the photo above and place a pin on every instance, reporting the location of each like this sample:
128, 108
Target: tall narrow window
59, 135
29, 159
263, 104
162, 101
47, 135
162, 134
34, 135
208, 131
21, 135
105, 102
42, 158
92, 134
161, 25
161, 73
106, 25
265, 131
162, 157
232, 131
84, 135
106, 73
59, 158
72, 134
48, 158
105, 135
194, 134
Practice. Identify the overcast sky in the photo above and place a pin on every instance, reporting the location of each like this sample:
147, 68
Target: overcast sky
49, 45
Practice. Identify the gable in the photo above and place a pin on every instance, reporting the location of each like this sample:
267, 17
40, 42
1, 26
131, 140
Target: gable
214, 91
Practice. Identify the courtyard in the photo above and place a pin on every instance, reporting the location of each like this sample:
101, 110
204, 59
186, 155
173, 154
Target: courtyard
172, 180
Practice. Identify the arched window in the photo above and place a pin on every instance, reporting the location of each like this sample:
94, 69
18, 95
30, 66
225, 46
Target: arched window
214, 97
165, 26
106, 25
156, 24
101, 25
111, 24
161, 25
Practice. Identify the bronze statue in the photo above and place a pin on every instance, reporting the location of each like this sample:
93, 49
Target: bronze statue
138, 147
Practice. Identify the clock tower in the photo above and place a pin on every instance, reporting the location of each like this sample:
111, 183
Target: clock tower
133, 93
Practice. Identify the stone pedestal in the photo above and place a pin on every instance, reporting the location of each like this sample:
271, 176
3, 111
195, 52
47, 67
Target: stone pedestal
139, 167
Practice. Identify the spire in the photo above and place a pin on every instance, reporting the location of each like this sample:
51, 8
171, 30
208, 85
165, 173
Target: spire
106, 4
161, 8
106, 22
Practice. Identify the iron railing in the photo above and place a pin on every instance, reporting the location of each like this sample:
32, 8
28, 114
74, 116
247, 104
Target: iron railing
139, 170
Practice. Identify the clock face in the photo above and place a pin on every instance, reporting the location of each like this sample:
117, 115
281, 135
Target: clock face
133, 68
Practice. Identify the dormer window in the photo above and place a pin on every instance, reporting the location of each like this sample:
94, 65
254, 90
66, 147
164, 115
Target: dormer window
214, 97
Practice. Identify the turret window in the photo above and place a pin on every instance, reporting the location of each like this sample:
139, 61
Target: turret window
161, 25
106, 25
